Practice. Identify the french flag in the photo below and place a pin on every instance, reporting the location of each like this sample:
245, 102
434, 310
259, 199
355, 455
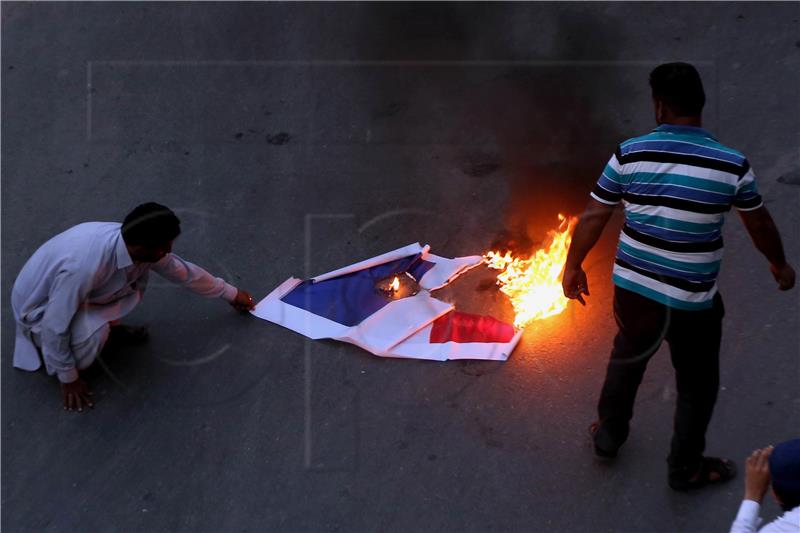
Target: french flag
345, 305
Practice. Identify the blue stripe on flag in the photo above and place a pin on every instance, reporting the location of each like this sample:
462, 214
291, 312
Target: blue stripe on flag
351, 298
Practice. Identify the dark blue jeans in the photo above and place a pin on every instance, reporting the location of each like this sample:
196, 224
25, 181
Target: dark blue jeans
694, 339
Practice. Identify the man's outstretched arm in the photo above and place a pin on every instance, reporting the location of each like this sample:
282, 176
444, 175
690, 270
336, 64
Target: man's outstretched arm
587, 232
767, 240
198, 280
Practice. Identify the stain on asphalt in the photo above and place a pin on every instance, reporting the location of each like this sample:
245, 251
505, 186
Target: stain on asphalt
278, 138
388, 110
790, 178
480, 165
488, 435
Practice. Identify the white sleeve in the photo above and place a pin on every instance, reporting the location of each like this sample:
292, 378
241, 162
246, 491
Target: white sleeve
747, 519
186, 274
789, 522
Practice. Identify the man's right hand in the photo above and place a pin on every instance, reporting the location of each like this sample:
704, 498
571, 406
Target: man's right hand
757, 474
574, 284
784, 275
76, 395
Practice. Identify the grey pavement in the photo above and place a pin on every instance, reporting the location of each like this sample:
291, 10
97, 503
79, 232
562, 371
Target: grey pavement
295, 138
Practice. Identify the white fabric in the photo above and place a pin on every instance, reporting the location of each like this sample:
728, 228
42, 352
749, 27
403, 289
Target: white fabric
79, 281
446, 270
443, 272
85, 352
747, 520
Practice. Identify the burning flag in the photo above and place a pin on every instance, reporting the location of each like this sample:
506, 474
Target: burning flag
384, 305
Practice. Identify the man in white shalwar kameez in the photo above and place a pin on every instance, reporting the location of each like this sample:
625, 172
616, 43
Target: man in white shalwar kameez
71, 293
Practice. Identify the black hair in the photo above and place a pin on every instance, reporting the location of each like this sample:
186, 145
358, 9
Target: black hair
679, 86
789, 498
150, 224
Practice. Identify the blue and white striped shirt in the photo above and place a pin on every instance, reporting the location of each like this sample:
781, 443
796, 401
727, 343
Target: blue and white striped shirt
676, 184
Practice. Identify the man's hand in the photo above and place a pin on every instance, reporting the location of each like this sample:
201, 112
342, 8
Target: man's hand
76, 395
243, 301
587, 232
762, 230
784, 275
756, 479
574, 284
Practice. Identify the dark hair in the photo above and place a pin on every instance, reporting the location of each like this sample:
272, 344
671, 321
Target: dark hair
789, 499
678, 85
150, 224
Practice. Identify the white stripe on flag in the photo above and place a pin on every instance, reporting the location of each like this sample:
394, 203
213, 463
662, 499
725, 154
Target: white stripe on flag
405, 251
418, 346
396, 322
446, 270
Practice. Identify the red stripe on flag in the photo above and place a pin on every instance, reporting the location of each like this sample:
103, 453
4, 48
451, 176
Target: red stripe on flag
464, 327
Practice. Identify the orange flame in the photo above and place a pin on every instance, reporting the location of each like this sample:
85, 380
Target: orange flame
395, 284
534, 284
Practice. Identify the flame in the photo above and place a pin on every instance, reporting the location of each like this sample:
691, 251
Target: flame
395, 284
534, 284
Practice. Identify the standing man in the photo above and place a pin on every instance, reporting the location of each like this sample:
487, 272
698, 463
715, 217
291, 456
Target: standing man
71, 293
676, 184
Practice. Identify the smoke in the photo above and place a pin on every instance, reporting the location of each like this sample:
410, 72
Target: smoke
556, 124
534, 106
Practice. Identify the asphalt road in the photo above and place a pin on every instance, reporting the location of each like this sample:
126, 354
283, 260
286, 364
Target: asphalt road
292, 139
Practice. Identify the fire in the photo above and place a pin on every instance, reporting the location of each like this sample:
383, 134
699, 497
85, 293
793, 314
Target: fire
534, 284
395, 284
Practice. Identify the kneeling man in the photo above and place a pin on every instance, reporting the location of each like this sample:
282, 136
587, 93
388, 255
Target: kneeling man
73, 290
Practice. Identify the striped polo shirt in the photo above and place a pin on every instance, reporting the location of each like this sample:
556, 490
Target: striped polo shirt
676, 184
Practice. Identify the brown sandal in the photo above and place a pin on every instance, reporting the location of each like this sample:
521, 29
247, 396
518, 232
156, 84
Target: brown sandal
725, 470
